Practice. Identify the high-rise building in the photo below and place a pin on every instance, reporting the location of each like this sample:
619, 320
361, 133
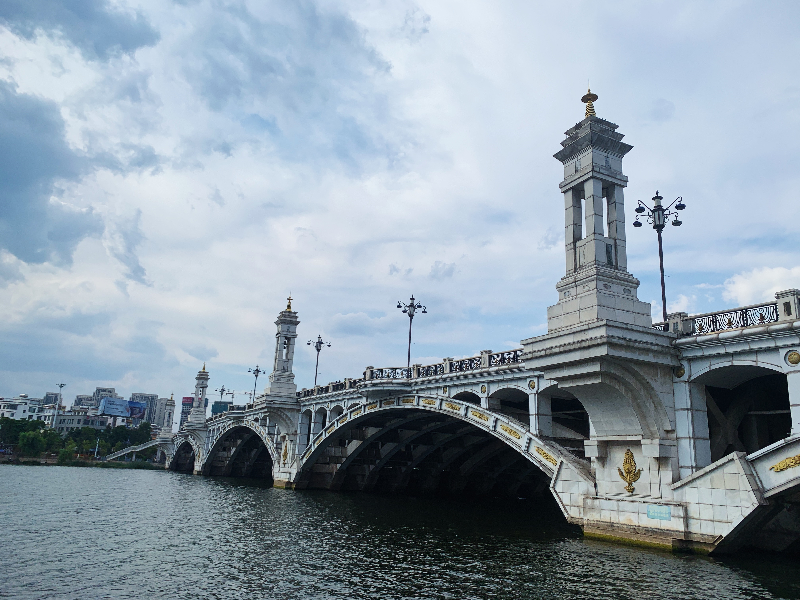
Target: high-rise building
165, 409
221, 406
83, 400
100, 393
151, 406
186, 408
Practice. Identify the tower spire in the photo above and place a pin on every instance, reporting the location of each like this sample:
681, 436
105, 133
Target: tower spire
588, 99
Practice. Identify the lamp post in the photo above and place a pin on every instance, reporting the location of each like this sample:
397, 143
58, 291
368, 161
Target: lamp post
318, 345
61, 386
255, 372
410, 309
222, 391
657, 217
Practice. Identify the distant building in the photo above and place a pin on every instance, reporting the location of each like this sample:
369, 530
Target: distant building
186, 408
165, 411
77, 419
20, 408
83, 400
221, 406
51, 398
100, 393
151, 406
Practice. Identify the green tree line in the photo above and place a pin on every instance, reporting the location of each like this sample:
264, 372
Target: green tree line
32, 438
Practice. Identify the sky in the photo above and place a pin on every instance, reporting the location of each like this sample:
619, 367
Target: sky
171, 171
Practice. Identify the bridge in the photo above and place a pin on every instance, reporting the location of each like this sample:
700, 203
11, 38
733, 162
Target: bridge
684, 434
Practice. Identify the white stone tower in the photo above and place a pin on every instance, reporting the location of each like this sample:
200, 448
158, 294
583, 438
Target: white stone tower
281, 380
198, 415
597, 285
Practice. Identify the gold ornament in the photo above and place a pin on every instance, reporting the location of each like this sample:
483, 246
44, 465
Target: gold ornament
452, 406
285, 452
786, 463
793, 358
483, 389
629, 473
479, 415
532, 385
680, 372
546, 455
512, 432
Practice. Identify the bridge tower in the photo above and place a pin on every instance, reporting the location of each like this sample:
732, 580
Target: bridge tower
281, 380
597, 284
197, 418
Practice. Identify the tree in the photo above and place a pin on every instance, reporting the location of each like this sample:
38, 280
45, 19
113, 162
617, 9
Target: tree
67, 453
31, 443
53, 441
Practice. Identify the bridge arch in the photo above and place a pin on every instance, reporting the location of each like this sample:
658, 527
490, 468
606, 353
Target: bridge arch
241, 449
747, 405
468, 396
428, 444
183, 460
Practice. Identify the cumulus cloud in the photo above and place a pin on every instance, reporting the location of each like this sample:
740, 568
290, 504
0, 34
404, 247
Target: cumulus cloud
441, 270
760, 285
34, 157
122, 240
94, 26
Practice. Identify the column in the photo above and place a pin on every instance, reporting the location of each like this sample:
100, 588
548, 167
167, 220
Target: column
793, 379
616, 225
573, 231
691, 427
541, 416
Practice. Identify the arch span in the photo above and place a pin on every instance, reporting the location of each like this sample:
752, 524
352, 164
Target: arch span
184, 458
429, 444
241, 449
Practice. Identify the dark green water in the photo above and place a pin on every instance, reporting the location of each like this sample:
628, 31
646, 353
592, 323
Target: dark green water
101, 533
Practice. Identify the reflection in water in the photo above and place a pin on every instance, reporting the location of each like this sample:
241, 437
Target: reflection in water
103, 533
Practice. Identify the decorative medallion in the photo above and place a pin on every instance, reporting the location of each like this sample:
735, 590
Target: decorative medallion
479, 415
356, 413
786, 463
372, 406
429, 401
532, 384
546, 455
453, 406
285, 452
330, 429
444, 390
343, 419
512, 432
679, 371
629, 473
793, 358
483, 389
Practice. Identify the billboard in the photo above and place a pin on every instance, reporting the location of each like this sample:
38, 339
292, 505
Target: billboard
114, 407
137, 409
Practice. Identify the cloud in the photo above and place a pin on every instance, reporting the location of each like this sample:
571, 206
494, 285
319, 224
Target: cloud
122, 239
93, 26
201, 352
441, 271
760, 285
662, 110
551, 239
682, 303
34, 157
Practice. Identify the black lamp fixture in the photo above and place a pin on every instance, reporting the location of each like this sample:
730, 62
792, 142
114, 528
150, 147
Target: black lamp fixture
318, 345
410, 309
657, 217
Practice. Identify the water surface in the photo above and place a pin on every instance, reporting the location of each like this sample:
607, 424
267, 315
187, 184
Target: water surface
103, 533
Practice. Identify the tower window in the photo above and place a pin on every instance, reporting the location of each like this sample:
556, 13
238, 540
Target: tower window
787, 309
610, 254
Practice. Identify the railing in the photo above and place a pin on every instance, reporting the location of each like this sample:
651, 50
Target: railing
505, 358
391, 373
465, 364
431, 370
735, 319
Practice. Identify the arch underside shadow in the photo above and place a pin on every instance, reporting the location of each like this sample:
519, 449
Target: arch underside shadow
183, 459
415, 451
239, 452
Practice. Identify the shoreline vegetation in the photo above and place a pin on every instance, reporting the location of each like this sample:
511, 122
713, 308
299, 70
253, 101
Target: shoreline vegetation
112, 464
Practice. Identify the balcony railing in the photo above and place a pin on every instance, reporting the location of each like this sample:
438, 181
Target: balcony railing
735, 319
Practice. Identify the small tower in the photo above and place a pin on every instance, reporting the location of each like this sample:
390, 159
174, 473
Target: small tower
198, 415
169, 412
281, 381
597, 285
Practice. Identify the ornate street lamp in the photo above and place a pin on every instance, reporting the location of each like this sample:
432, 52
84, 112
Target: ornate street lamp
255, 372
61, 386
657, 217
222, 391
318, 345
409, 309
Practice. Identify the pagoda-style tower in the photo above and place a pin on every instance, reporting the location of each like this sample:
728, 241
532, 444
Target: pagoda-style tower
597, 285
281, 380
197, 418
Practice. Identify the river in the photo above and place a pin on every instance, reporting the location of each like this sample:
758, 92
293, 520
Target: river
87, 533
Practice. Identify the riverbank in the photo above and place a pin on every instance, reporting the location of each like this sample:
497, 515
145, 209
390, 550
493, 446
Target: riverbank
46, 462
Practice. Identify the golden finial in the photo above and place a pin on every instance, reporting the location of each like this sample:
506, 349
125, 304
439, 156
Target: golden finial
171, 396
289, 303
629, 473
587, 99
204, 368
